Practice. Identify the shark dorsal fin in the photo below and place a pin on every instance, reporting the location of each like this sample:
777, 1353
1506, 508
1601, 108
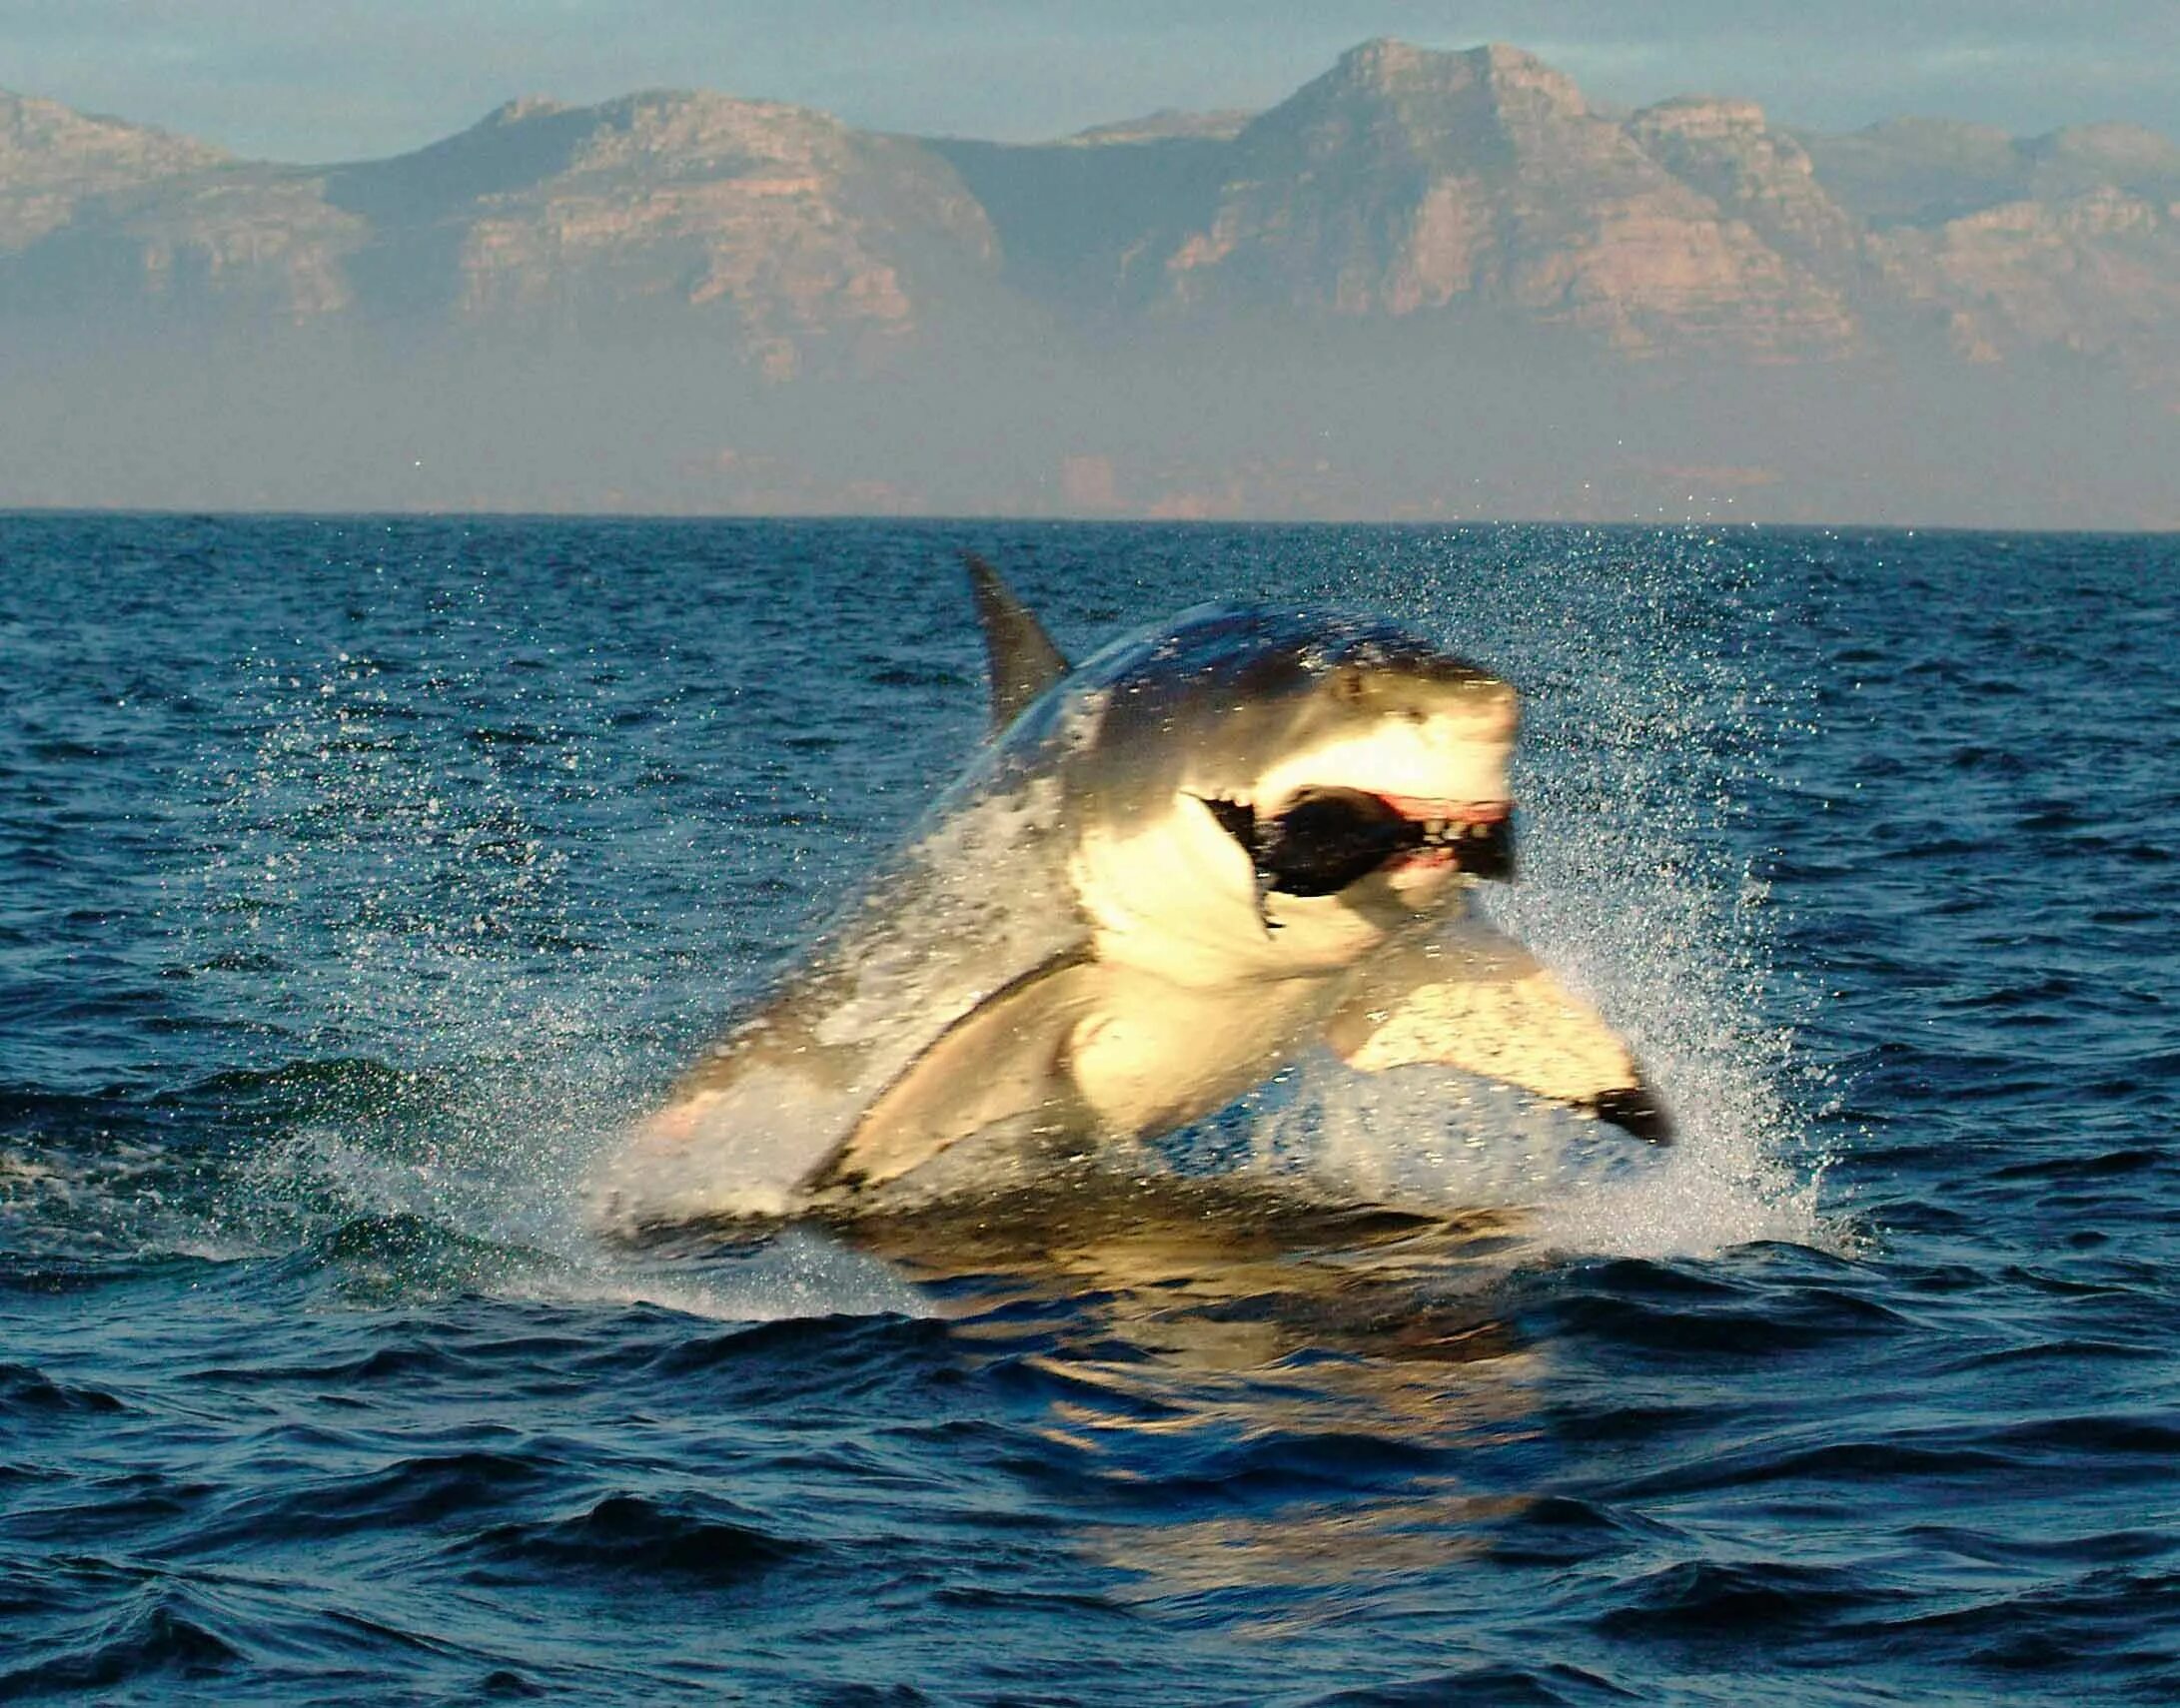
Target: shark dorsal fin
1024, 662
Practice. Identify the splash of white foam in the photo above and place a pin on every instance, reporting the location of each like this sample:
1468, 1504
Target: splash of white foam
1646, 735
514, 1230
796, 1275
1624, 894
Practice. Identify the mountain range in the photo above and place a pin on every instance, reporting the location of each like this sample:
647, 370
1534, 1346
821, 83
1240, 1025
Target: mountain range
1432, 284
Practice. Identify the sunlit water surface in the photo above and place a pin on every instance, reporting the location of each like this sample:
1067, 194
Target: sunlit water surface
358, 877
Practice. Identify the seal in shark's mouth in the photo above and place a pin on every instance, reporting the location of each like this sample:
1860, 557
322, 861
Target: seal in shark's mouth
1323, 839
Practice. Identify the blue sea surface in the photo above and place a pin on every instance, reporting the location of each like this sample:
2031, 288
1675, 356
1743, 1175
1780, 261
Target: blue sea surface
359, 877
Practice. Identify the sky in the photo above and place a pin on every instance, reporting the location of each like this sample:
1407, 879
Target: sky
323, 80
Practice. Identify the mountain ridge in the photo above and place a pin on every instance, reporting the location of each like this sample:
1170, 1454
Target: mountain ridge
1438, 204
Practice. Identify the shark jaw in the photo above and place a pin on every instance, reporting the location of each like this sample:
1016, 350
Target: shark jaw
1408, 784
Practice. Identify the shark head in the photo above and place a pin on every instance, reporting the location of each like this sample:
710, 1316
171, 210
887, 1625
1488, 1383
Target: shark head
1260, 793
1383, 775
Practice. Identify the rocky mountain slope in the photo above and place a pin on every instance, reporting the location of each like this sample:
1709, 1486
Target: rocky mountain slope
1406, 180
52, 161
1407, 205
542, 216
1403, 181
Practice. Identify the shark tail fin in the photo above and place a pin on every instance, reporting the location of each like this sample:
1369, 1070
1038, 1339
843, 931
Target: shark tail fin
1023, 660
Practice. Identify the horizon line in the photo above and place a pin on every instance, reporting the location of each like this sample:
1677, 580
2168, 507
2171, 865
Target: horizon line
987, 518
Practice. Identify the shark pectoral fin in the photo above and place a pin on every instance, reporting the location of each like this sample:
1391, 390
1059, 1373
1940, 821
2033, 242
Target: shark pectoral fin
1004, 1060
1478, 1000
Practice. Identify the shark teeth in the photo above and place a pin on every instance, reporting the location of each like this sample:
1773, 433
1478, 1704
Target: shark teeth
1448, 830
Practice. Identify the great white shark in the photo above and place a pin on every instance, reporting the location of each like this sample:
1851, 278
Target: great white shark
1174, 867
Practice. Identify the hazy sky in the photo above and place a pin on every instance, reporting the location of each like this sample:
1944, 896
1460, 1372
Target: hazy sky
312, 80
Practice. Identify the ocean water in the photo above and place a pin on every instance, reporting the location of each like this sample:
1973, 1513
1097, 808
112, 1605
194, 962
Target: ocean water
358, 877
